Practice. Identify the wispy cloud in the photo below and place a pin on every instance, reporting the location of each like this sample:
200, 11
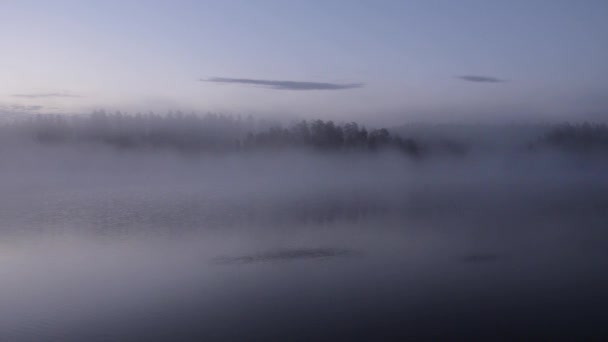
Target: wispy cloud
25, 108
20, 108
44, 95
16, 110
285, 85
480, 79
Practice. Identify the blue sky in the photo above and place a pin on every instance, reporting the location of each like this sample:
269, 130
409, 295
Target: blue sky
389, 61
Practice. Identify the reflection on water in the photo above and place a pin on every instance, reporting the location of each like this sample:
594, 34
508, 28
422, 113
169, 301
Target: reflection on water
410, 254
481, 257
287, 255
414, 281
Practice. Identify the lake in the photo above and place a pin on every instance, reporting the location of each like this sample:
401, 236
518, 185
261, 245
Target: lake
300, 248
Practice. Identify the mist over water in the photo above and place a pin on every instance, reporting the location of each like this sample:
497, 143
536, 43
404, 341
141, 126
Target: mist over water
416, 170
102, 242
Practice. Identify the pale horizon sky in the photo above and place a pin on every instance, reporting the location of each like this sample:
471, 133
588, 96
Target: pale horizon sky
374, 61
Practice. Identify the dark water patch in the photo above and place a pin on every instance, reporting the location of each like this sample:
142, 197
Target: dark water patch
481, 257
286, 254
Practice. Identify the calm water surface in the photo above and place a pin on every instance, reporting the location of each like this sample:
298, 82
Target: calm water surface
159, 258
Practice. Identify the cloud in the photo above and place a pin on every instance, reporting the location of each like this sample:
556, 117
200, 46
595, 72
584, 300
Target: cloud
13, 111
480, 79
20, 108
286, 85
25, 108
44, 95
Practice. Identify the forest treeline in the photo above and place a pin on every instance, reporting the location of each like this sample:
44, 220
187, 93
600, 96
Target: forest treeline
579, 138
217, 133
211, 132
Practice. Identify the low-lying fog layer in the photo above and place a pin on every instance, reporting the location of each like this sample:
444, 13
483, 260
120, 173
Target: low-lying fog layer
100, 243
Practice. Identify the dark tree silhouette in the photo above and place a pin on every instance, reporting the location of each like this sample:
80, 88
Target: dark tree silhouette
209, 133
581, 138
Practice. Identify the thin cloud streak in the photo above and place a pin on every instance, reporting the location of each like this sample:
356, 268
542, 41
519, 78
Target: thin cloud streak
480, 79
44, 95
285, 85
25, 108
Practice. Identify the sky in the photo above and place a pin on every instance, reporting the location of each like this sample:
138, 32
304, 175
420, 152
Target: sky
374, 61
